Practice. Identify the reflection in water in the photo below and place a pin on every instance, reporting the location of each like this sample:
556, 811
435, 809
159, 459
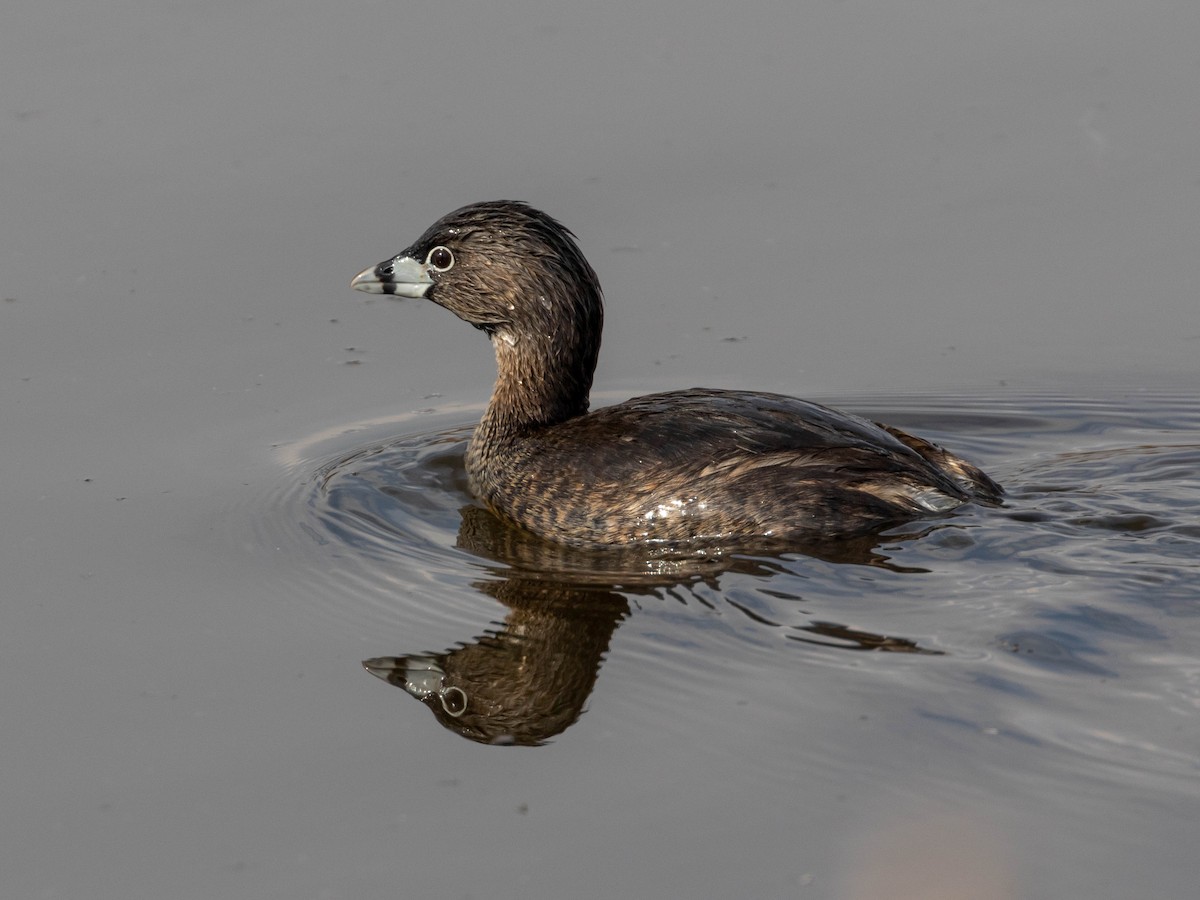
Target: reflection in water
530, 679
853, 639
1069, 620
1097, 542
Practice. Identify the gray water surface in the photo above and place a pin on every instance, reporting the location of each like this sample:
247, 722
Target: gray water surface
227, 479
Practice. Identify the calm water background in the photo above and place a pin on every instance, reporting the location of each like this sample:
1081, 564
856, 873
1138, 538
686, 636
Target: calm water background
978, 221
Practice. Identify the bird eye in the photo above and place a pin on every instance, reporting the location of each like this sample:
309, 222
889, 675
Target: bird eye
454, 701
440, 259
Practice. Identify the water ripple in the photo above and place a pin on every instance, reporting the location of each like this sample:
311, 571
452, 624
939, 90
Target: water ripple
1018, 619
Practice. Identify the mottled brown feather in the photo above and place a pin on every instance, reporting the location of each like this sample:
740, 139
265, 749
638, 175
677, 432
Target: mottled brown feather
685, 467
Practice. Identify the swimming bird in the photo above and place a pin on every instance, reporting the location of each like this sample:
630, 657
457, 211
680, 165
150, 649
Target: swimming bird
688, 469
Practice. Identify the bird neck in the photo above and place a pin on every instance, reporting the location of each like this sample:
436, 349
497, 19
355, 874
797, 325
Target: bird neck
539, 383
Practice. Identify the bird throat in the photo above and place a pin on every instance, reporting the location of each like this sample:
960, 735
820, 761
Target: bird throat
536, 387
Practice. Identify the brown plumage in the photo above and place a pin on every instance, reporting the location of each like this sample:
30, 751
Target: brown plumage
688, 468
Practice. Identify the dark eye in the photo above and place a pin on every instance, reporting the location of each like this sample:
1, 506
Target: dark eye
440, 258
454, 701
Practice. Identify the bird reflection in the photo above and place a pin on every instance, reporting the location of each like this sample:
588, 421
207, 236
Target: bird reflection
529, 679
524, 682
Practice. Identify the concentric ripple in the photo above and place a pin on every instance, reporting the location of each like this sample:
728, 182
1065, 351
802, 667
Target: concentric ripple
1013, 612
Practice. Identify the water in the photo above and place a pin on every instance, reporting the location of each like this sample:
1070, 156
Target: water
227, 480
999, 660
